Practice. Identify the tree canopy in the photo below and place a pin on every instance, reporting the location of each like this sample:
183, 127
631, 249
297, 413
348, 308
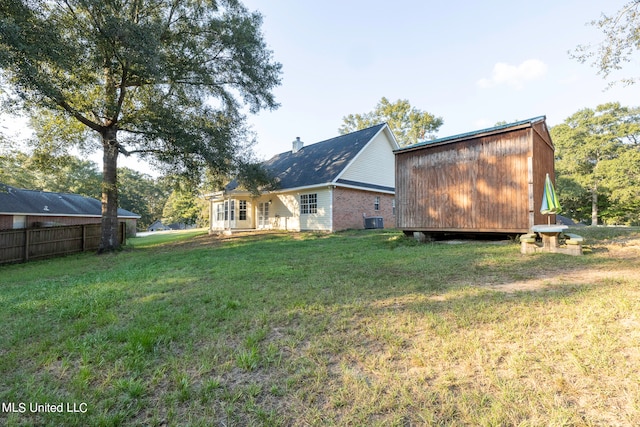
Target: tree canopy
137, 192
598, 164
409, 124
620, 44
167, 81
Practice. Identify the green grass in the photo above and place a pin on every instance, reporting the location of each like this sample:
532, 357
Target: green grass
353, 328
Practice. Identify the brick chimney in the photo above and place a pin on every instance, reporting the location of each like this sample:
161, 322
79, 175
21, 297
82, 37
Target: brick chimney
297, 145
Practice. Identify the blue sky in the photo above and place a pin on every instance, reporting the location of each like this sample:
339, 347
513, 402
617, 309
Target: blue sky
471, 63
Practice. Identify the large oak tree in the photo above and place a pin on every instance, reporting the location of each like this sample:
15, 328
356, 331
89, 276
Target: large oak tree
163, 79
597, 163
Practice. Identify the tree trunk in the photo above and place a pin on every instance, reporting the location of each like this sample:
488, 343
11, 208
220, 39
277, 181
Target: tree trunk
594, 206
109, 232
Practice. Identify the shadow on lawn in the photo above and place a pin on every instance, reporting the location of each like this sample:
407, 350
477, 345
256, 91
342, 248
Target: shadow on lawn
300, 324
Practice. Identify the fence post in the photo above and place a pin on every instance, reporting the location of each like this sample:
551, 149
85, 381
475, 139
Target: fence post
27, 236
84, 237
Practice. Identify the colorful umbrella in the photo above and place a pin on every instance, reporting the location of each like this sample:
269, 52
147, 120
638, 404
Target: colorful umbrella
550, 204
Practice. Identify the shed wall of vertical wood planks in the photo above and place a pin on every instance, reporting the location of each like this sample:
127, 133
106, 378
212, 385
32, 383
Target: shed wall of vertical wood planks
485, 181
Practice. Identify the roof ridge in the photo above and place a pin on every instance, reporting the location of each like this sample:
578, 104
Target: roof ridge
41, 191
26, 201
334, 138
321, 162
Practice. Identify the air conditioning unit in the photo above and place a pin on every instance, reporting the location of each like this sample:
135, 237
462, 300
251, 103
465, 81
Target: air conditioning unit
373, 222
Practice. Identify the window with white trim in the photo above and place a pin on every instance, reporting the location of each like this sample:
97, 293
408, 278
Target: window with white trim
220, 211
242, 210
309, 203
376, 204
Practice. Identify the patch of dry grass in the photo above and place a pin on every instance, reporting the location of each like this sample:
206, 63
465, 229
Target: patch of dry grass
358, 328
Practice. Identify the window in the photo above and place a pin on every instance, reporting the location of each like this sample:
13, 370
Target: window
226, 210
376, 204
309, 203
19, 221
393, 206
242, 210
220, 212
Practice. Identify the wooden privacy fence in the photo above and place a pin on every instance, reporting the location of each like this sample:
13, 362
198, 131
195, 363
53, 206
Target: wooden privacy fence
28, 244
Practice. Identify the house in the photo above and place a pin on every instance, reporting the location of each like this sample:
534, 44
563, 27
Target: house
158, 226
21, 208
487, 181
329, 186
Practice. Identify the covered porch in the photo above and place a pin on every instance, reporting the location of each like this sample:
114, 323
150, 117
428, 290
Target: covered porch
239, 211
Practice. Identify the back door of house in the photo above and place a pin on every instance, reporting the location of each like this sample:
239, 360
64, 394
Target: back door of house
230, 214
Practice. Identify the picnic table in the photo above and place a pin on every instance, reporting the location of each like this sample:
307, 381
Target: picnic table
550, 237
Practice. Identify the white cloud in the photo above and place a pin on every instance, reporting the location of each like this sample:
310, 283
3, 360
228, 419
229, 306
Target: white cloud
514, 75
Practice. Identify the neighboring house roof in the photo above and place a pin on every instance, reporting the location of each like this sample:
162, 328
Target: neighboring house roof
17, 201
157, 225
476, 134
321, 162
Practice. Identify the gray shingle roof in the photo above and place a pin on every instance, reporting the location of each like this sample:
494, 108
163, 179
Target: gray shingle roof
30, 202
321, 162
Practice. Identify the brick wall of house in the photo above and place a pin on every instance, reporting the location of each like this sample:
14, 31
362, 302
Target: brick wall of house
349, 205
6, 222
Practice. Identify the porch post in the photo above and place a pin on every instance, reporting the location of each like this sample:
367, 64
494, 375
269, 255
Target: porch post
210, 215
229, 211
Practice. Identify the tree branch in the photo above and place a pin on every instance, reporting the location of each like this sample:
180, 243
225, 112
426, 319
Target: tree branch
82, 119
121, 97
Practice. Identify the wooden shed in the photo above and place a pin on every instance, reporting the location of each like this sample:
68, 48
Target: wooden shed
487, 181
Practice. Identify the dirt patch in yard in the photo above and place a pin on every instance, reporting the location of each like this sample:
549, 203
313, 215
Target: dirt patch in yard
585, 277
626, 250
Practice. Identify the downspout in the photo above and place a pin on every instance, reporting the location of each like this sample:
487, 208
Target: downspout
331, 206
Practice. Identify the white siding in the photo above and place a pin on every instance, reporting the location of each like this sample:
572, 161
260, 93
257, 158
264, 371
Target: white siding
248, 223
375, 164
286, 211
322, 219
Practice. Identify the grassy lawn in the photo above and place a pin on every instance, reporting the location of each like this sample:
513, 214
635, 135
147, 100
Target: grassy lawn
355, 328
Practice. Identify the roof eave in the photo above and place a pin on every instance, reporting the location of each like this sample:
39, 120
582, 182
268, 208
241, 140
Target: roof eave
524, 124
57, 214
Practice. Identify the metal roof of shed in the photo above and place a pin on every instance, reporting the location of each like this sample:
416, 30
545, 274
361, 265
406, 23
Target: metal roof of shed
474, 134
